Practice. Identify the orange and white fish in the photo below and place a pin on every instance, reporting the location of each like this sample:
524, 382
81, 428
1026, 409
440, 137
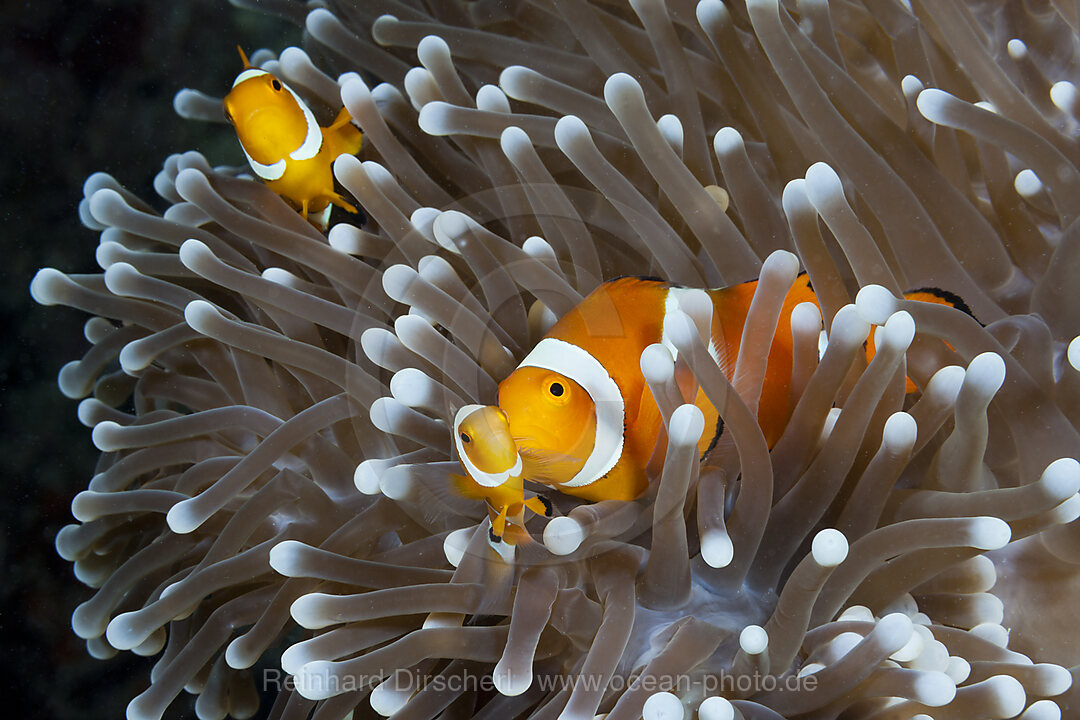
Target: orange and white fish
577, 413
494, 471
284, 144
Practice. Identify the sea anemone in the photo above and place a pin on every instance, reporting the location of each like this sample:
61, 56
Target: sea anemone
273, 405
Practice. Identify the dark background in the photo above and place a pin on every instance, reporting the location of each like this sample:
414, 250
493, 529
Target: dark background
84, 87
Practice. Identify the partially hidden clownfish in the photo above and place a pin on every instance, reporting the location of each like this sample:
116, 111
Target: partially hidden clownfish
577, 413
284, 144
495, 472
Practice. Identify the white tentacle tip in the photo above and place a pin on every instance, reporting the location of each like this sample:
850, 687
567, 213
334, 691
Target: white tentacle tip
1064, 95
570, 130
198, 314
657, 365
686, 425
934, 688
316, 680
985, 374
957, 668
182, 517
662, 706
727, 140
856, 613
366, 477
491, 98
1007, 695
806, 318
945, 384
899, 331
563, 535
716, 707
900, 432
442, 620
308, 611
508, 682
716, 549
988, 533
285, 558
911, 650
1073, 353
896, 629
712, 12
753, 640
849, 327
514, 142
932, 103
829, 548
823, 187
619, 86
455, 544
875, 304
671, 130
1027, 184
1053, 679
1016, 48
388, 696
1062, 477
123, 631
911, 86
430, 47
1042, 710
783, 263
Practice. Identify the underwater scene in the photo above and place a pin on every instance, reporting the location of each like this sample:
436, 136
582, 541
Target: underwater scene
546, 359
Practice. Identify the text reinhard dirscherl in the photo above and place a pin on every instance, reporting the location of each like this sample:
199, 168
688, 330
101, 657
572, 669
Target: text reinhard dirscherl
407, 681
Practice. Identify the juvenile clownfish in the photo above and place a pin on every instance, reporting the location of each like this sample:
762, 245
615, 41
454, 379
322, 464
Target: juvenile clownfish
285, 145
494, 471
577, 413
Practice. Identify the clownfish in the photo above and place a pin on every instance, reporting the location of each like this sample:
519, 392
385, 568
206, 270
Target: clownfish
494, 471
284, 144
577, 413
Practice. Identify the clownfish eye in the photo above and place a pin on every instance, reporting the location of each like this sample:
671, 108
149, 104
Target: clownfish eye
556, 390
229, 118
465, 438
276, 84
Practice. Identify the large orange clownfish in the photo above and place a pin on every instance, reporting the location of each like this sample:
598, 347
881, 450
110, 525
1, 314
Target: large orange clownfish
577, 413
284, 144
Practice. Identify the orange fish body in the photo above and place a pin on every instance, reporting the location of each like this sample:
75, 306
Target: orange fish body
578, 412
594, 352
494, 471
284, 144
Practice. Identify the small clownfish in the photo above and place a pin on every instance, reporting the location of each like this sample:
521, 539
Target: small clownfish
285, 145
577, 413
494, 471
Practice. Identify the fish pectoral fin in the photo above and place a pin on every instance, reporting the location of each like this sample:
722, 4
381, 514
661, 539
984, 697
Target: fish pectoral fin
540, 505
465, 487
343, 135
343, 118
